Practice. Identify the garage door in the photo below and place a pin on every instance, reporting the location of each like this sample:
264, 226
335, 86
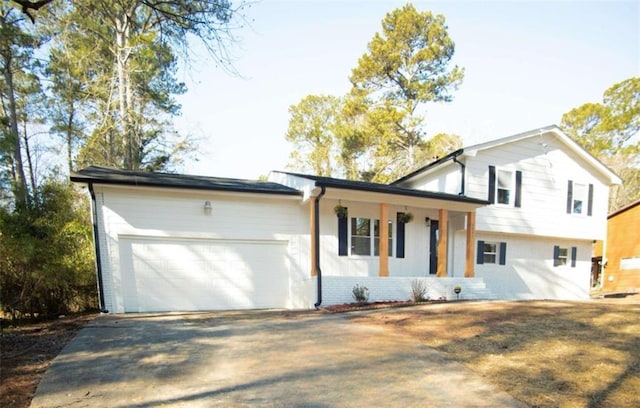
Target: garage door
185, 275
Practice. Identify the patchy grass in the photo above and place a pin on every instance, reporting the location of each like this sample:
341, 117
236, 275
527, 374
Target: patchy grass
546, 354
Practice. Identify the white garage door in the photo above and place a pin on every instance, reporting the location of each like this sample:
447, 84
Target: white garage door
184, 275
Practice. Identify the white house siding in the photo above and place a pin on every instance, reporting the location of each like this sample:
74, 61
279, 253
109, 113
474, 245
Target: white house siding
532, 230
444, 179
529, 272
414, 264
151, 219
545, 174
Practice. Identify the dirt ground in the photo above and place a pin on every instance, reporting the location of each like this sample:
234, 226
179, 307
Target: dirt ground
546, 354
26, 353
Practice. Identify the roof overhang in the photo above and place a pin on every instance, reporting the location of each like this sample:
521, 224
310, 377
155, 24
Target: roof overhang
117, 177
348, 190
472, 151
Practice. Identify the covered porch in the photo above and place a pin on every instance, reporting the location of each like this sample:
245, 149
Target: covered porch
369, 242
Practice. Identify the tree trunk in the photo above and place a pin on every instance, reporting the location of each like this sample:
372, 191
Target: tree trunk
27, 150
122, 57
70, 139
20, 190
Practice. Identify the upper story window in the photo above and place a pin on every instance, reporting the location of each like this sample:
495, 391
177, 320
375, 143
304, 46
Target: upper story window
505, 187
579, 198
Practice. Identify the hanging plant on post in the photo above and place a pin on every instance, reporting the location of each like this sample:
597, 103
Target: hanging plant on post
341, 212
405, 218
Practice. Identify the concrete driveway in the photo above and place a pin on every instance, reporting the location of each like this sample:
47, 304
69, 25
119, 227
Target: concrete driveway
259, 358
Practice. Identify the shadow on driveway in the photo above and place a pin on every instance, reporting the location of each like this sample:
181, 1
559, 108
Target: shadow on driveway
272, 359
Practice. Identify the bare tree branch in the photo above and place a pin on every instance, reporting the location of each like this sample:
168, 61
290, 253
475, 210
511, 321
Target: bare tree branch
29, 6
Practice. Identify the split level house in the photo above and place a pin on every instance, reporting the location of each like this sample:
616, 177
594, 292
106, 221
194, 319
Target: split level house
514, 218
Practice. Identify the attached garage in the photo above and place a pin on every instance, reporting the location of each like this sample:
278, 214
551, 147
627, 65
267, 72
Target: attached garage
169, 242
168, 274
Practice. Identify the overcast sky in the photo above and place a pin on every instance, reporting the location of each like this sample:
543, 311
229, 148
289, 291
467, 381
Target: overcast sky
526, 62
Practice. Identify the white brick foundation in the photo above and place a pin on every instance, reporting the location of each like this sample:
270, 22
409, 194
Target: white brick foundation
338, 289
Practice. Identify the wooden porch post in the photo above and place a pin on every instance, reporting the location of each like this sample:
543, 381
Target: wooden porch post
471, 238
443, 242
312, 229
383, 241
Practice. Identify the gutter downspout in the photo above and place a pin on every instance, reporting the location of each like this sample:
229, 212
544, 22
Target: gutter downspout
462, 169
96, 239
316, 245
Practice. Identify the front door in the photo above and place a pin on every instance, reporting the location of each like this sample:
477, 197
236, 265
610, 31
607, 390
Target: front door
433, 247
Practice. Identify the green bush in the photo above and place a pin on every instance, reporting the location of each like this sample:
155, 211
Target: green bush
360, 294
46, 255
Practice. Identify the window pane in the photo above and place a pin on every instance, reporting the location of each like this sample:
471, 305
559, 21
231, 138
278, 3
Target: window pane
390, 238
361, 227
376, 234
490, 247
503, 196
489, 258
360, 246
577, 207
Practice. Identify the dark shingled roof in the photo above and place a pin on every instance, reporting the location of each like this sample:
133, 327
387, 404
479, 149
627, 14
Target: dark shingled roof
386, 189
106, 175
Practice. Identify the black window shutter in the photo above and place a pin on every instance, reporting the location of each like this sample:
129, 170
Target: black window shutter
556, 254
574, 255
503, 253
480, 253
400, 236
570, 197
518, 201
343, 238
492, 185
590, 202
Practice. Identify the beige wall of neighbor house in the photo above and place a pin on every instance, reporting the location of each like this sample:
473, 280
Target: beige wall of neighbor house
622, 270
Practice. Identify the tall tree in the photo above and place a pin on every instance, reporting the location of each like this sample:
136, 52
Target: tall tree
18, 85
312, 128
120, 58
610, 132
406, 66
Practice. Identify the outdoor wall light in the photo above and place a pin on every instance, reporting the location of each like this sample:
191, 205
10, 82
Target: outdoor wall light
207, 207
427, 221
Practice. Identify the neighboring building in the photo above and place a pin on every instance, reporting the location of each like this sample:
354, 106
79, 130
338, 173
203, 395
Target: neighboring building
622, 262
509, 219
